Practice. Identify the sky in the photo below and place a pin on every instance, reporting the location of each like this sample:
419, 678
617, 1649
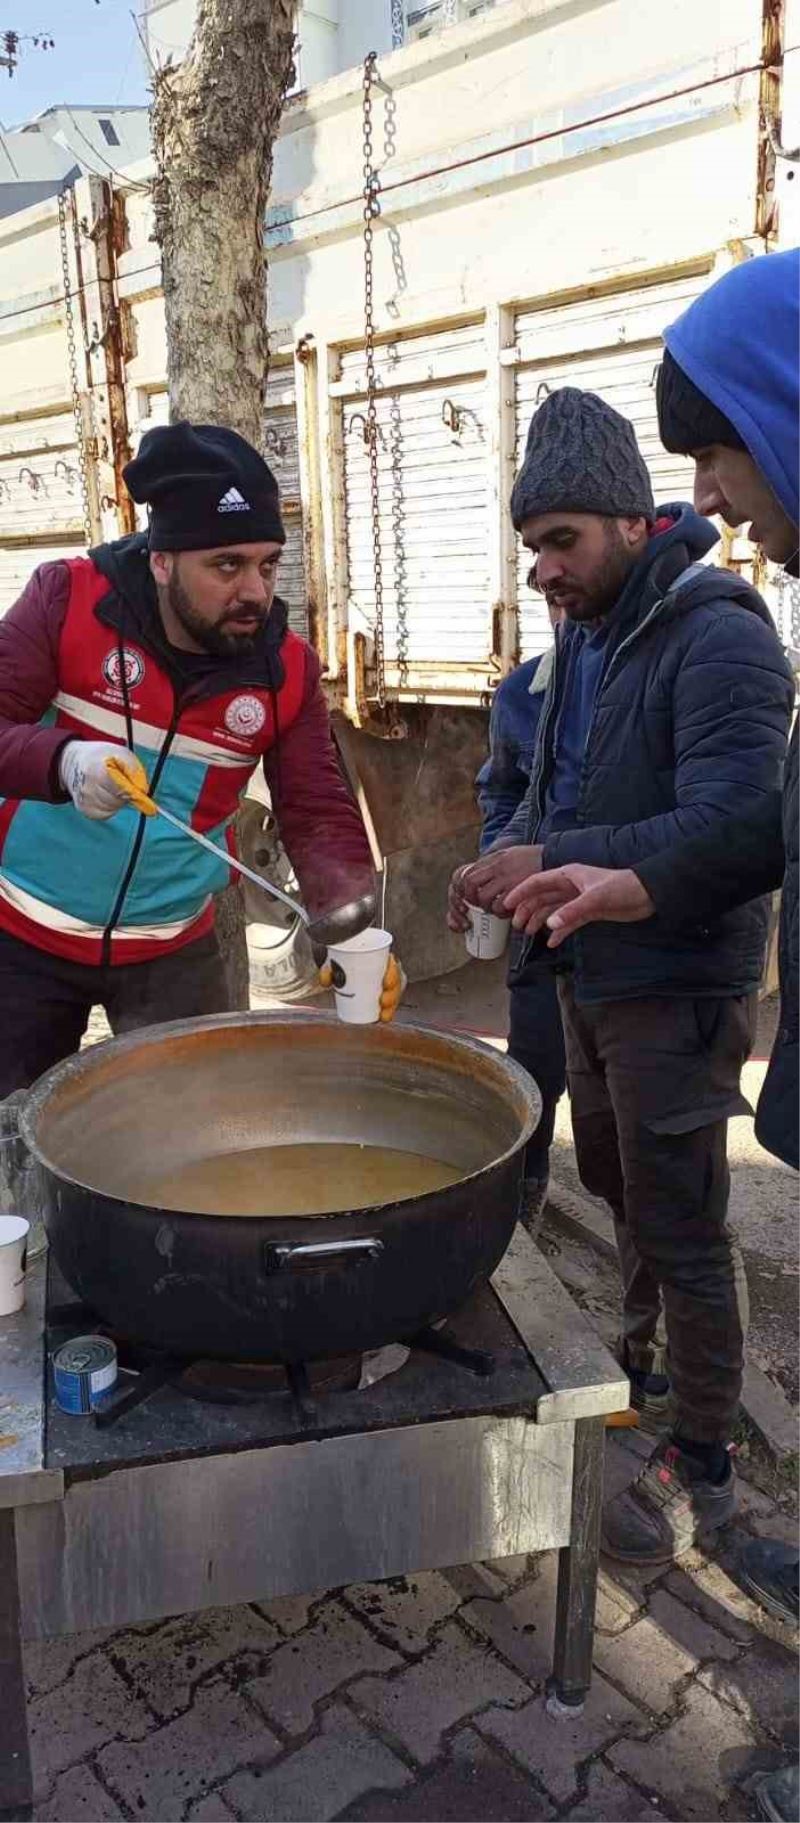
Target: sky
97, 56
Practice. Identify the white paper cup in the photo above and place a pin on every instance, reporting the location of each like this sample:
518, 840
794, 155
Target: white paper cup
13, 1248
487, 935
358, 968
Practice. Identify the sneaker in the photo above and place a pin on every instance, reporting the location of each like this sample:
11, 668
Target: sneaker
666, 1509
777, 1794
533, 1197
769, 1572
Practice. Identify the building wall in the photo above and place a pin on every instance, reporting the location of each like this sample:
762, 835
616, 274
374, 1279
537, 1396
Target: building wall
364, 25
168, 26
334, 34
49, 149
556, 184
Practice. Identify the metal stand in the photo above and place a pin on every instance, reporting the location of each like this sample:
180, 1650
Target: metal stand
438, 1342
516, 1467
577, 1574
16, 1793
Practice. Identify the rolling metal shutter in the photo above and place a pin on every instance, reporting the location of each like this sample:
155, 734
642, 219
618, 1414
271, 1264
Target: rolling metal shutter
433, 482
41, 512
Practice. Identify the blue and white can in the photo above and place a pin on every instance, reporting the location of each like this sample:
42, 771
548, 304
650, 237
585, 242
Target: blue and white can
84, 1373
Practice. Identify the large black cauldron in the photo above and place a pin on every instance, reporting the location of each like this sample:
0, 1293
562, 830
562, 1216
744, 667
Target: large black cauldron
247, 1288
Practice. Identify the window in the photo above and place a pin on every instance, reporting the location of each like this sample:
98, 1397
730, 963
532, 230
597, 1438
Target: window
109, 133
422, 17
421, 20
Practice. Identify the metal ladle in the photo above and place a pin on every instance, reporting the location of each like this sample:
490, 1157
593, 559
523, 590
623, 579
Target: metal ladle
342, 922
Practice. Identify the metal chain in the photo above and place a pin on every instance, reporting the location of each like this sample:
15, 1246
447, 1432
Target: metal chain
72, 351
372, 209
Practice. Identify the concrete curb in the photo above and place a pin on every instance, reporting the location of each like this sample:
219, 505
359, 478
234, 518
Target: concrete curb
763, 1403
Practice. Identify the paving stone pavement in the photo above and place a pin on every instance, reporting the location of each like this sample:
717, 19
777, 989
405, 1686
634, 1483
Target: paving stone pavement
423, 1698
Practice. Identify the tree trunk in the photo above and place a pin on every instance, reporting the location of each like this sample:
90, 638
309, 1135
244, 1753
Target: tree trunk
214, 121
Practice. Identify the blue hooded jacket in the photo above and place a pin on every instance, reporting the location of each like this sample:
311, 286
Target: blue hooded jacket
740, 345
751, 377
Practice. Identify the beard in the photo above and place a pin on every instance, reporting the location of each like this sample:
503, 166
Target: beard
219, 638
594, 600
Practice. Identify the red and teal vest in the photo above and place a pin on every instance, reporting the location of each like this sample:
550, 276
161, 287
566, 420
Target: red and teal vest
133, 887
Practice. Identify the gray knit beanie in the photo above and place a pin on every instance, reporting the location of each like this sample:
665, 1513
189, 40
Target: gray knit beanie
581, 457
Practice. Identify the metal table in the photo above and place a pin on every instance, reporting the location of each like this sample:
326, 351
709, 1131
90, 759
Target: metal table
192, 1514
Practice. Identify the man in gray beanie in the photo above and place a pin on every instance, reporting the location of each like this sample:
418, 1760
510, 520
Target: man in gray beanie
666, 715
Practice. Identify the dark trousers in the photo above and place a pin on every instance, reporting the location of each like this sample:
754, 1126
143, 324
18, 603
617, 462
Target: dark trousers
45, 1001
653, 1083
536, 1041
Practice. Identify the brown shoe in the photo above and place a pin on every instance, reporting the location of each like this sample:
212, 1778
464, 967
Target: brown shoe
666, 1509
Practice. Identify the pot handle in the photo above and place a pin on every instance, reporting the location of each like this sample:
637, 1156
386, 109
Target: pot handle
295, 1255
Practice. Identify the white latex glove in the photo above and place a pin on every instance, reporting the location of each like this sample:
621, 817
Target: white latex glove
82, 772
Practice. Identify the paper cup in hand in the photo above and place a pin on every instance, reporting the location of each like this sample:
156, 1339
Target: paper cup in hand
13, 1248
487, 935
358, 967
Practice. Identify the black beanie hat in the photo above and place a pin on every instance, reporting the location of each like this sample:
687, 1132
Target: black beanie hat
205, 486
581, 457
687, 420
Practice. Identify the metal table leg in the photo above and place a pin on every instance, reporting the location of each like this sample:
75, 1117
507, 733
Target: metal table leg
577, 1573
16, 1782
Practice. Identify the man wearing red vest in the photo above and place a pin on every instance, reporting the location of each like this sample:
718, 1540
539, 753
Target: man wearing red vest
172, 647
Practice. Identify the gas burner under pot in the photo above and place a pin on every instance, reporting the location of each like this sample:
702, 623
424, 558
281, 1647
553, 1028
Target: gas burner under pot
246, 1382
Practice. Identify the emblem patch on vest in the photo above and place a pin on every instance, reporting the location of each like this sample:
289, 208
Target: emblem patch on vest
134, 668
245, 716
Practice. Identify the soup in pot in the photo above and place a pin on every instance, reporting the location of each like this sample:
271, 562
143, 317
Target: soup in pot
308, 1179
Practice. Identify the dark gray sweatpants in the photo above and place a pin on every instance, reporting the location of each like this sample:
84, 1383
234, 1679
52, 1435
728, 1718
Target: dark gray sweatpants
652, 1084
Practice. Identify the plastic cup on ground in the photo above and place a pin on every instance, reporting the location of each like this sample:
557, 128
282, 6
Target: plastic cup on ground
13, 1247
487, 935
358, 967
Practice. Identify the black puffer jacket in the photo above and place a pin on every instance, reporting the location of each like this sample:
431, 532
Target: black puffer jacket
753, 854
688, 731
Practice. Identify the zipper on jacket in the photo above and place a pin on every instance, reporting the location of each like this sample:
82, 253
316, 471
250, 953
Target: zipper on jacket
674, 587
116, 914
536, 813
547, 714
658, 605
546, 727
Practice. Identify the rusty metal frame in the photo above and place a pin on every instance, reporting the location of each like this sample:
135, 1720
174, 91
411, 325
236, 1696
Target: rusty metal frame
311, 494
105, 232
504, 625
769, 117
333, 538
